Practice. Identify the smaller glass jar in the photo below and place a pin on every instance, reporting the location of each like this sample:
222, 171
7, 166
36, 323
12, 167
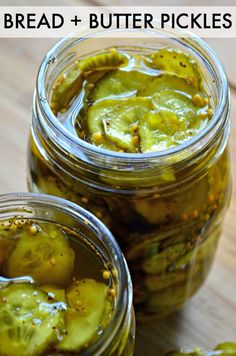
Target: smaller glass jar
118, 335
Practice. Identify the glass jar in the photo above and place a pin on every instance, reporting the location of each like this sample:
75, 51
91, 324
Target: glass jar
165, 208
118, 336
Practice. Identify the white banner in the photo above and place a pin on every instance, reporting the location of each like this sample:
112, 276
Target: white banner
110, 21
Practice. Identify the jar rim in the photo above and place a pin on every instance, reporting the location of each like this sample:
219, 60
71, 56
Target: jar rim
195, 43
11, 201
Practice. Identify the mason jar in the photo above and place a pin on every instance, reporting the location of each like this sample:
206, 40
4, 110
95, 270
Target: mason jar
82, 228
165, 208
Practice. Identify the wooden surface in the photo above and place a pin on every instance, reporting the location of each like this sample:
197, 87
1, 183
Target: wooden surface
210, 317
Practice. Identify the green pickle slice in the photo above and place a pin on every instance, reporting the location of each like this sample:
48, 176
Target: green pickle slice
156, 130
102, 62
121, 83
115, 119
175, 62
43, 253
227, 346
29, 322
87, 302
65, 91
69, 84
186, 206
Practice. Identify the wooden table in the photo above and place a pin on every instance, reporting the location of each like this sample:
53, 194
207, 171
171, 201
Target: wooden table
210, 317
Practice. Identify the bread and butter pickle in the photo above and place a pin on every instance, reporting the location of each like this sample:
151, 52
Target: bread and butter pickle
136, 144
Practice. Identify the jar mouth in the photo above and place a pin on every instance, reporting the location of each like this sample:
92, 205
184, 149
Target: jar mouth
23, 204
196, 44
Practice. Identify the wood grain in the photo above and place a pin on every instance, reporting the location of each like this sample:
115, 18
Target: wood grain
210, 317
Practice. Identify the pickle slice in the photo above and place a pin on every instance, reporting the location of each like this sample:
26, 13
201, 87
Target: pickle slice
187, 112
197, 258
70, 84
66, 88
156, 130
187, 205
174, 121
180, 103
227, 346
161, 260
156, 211
45, 255
136, 83
29, 323
102, 62
88, 307
176, 62
168, 82
121, 83
51, 185
191, 202
115, 119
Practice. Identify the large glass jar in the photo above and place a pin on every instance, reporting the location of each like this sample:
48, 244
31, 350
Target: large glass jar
165, 208
85, 230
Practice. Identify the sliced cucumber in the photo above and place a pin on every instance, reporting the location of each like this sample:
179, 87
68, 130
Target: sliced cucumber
174, 120
168, 82
156, 211
176, 62
187, 205
121, 83
46, 256
177, 102
102, 62
135, 83
187, 113
88, 304
156, 130
193, 199
68, 85
227, 346
29, 323
52, 186
114, 120
159, 262
66, 88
